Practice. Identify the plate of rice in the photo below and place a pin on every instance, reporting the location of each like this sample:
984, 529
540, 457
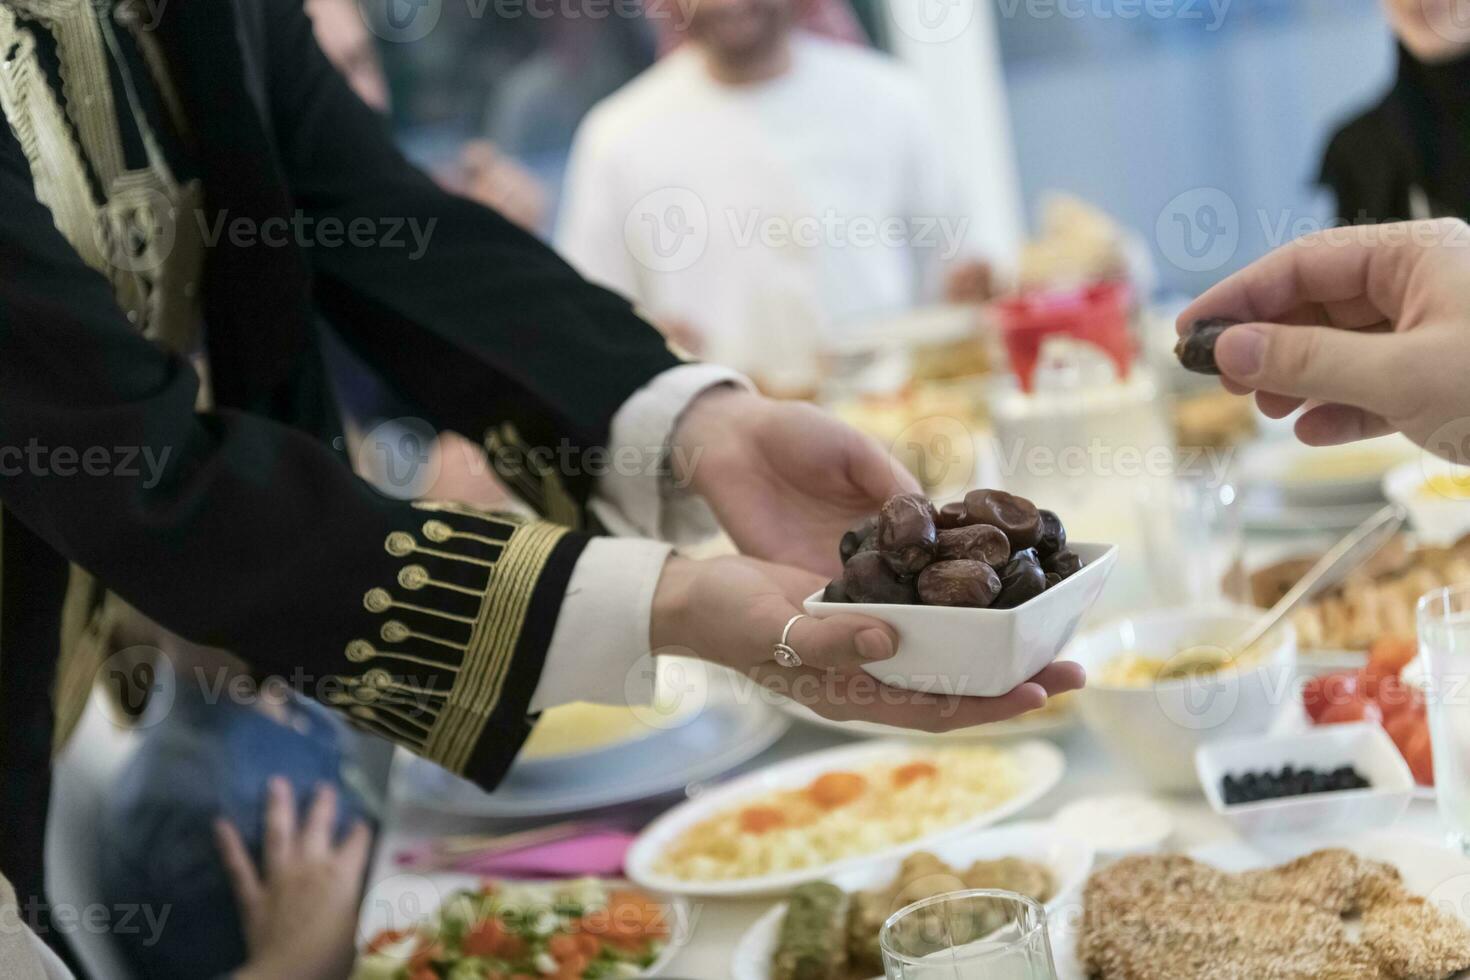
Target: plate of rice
810, 817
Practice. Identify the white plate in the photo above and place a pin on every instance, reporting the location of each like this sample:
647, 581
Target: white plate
1265, 510
1325, 476
1069, 860
1027, 726
1040, 763
730, 729
982, 652
678, 683
1436, 872
402, 901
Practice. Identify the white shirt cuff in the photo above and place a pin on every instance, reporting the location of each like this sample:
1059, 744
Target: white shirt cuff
639, 500
599, 649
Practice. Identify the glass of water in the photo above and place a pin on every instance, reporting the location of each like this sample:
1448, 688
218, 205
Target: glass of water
969, 935
1444, 643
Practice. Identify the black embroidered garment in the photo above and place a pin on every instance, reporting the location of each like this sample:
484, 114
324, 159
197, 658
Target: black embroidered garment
237, 525
1409, 156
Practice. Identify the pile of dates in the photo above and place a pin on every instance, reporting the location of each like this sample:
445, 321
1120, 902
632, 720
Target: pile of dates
993, 550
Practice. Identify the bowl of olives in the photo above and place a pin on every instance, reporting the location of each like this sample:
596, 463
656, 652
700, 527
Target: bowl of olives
984, 592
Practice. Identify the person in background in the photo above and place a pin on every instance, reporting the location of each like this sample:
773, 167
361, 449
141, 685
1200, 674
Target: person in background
349, 46
580, 61
489, 176
828, 18
221, 770
455, 468
1409, 156
731, 189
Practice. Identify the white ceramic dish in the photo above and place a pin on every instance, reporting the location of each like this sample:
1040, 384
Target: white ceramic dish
1068, 859
1365, 747
404, 900
982, 652
1157, 728
1041, 764
1437, 520
731, 727
1317, 476
1046, 722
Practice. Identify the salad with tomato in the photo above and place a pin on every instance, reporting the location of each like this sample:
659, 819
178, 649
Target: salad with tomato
580, 930
1378, 693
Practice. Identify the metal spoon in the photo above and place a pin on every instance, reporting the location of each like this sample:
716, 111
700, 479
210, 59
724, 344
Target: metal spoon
1348, 554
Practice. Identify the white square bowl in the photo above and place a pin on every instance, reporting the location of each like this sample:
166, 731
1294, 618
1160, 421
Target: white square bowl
981, 652
1155, 728
1365, 747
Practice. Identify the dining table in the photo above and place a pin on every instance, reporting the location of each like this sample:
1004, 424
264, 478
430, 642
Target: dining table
715, 926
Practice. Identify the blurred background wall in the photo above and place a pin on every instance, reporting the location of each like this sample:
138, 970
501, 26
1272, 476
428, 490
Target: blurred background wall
1166, 119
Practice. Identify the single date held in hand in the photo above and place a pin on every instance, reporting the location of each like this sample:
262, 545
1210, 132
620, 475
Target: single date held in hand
993, 550
1196, 347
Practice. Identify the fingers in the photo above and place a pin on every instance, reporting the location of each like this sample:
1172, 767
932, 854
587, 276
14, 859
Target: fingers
841, 643
238, 867
1061, 677
1275, 406
862, 697
876, 472
1320, 363
316, 836
1333, 425
280, 826
1342, 271
352, 856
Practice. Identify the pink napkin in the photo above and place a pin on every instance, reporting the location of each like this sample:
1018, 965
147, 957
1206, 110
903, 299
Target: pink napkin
599, 853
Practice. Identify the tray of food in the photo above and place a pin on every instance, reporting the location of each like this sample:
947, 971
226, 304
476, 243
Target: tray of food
984, 592
448, 927
829, 929
1381, 906
1374, 602
819, 814
1385, 691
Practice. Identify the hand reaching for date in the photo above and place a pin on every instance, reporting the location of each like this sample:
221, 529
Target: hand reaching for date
1368, 327
785, 479
729, 611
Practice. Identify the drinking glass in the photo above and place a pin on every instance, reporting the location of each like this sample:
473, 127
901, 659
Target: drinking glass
970, 935
1192, 541
1444, 643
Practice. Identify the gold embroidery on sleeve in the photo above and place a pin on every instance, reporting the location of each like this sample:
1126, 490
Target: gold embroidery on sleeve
535, 480
445, 724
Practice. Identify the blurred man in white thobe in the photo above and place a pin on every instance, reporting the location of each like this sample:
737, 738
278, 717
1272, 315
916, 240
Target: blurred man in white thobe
763, 192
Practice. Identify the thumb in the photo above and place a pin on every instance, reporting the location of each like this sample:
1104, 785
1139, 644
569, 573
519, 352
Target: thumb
1323, 363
